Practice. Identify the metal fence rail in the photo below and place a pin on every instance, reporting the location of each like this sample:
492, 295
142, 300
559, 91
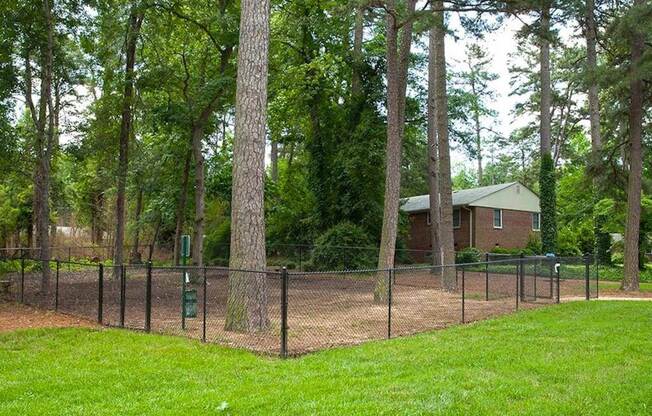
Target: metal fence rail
300, 311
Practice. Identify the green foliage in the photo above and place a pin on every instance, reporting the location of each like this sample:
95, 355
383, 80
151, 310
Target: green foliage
533, 244
334, 249
468, 255
567, 244
217, 244
548, 200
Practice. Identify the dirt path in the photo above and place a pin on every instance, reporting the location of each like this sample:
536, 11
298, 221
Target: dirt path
15, 316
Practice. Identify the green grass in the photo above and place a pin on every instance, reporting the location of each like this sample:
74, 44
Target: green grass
583, 358
646, 287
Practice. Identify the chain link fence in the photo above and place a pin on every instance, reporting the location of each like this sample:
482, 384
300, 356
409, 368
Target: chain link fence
294, 312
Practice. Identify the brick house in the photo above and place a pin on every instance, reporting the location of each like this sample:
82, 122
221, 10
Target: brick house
502, 215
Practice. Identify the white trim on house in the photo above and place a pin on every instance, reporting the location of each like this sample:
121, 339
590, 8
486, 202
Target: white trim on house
493, 219
538, 217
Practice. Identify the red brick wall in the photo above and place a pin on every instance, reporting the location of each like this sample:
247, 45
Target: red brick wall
517, 227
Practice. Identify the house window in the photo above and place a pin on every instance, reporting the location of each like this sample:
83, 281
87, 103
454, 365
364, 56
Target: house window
536, 221
498, 218
457, 219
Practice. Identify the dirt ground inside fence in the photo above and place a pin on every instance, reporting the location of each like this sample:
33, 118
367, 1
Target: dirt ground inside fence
15, 316
324, 310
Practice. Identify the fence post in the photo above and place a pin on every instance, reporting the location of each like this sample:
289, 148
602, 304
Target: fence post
522, 277
123, 287
486, 276
148, 298
203, 327
597, 277
390, 278
518, 277
284, 312
463, 294
56, 288
183, 296
22, 278
557, 261
587, 281
100, 293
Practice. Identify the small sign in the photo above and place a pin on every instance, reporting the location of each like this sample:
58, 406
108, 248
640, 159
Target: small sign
185, 245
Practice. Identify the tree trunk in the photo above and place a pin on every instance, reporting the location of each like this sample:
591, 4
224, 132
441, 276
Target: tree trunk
198, 229
181, 208
592, 67
632, 229
445, 184
546, 89
478, 130
397, 66
358, 31
133, 28
45, 141
274, 160
547, 178
433, 156
135, 253
247, 297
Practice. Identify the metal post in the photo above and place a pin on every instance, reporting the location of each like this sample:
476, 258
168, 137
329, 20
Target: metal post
535, 280
389, 302
284, 312
203, 328
148, 298
518, 277
100, 293
22, 278
522, 277
558, 276
597, 277
183, 294
587, 282
123, 287
486, 276
463, 294
56, 288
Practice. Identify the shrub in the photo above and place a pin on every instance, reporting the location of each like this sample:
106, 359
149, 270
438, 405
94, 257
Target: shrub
533, 244
216, 244
618, 258
567, 243
328, 253
468, 255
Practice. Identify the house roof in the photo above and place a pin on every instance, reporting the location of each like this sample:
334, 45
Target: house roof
474, 196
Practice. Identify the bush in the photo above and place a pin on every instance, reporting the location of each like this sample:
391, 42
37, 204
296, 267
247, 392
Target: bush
328, 253
216, 244
567, 245
533, 244
618, 258
468, 255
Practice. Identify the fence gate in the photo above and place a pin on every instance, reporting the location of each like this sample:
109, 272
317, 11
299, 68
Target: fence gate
537, 279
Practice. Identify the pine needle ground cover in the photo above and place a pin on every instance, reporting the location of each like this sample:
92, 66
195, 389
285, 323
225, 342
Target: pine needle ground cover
577, 358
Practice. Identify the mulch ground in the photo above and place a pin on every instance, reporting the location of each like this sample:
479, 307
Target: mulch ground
16, 316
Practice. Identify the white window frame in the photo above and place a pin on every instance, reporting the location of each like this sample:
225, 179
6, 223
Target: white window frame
493, 219
538, 216
459, 218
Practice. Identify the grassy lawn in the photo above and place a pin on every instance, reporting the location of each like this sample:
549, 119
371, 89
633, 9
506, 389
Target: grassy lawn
579, 358
646, 287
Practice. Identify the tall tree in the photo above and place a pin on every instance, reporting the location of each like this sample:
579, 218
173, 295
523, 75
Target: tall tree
433, 153
547, 170
632, 228
445, 181
247, 298
398, 54
136, 15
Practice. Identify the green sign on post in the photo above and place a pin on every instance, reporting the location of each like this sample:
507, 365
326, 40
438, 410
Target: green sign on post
185, 246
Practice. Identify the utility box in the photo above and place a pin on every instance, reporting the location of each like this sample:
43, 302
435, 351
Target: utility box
190, 303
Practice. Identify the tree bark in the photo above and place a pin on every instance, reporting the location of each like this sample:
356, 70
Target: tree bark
397, 67
445, 181
592, 67
546, 89
198, 229
181, 208
358, 31
433, 155
632, 229
135, 253
133, 29
247, 297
